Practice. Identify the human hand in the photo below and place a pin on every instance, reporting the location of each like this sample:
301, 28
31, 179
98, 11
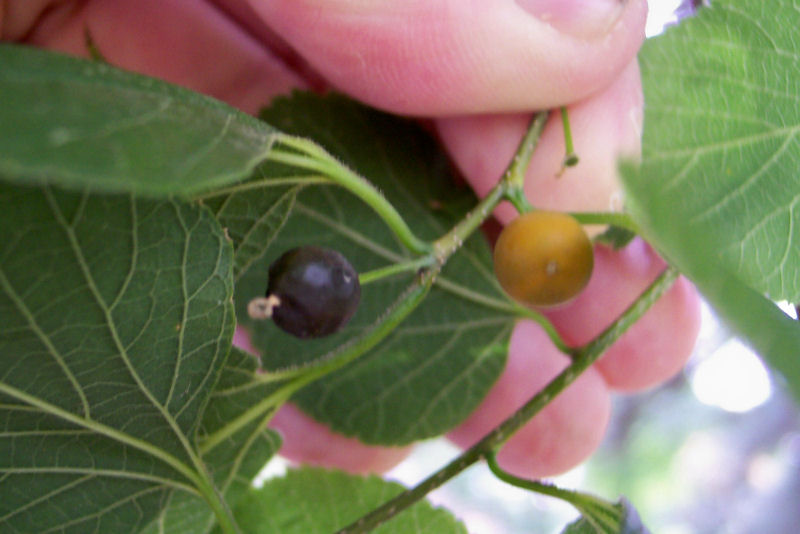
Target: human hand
475, 71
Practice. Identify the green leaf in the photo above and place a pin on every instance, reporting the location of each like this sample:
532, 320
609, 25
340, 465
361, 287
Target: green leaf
625, 521
240, 391
84, 124
721, 145
254, 216
615, 237
718, 190
117, 319
430, 373
187, 513
325, 501
233, 462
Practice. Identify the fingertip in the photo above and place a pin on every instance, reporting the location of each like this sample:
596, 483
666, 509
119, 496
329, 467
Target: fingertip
309, 442
241, 339
439, 58
658, 345
605, 127
191, 44
559, 437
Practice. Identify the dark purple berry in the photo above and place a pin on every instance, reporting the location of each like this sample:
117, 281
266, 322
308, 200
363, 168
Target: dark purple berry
317, 291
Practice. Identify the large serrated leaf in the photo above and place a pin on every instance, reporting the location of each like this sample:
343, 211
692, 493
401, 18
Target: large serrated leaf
324, 501
721, 145
437, 366
84, 124
254, 216
718, 189
232, 462
117, 318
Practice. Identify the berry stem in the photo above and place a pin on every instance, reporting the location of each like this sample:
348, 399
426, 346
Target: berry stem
508, 188
590, 506
393, 269
515, 173
570, 158
614, 218
584, 357
306, 154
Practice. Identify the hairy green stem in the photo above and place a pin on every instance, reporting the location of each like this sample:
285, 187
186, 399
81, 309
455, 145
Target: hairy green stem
445, 246
513, 180
241, 187
311, 156
591, 507
584, 357
612, 218
509, 188
515, 173
393, 269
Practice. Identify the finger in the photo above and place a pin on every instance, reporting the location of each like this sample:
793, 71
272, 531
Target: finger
18, 18
559, 437
305, 441
439, 57
657, 346
188, 43
604, 128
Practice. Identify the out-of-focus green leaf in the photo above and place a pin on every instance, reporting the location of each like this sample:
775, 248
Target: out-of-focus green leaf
437, 366
615, 237
717, 191
84, 124
116, 321
721, 147
324, 501
625, 521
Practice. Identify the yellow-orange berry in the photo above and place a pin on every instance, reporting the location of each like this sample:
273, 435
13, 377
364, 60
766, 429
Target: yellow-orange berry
543, 258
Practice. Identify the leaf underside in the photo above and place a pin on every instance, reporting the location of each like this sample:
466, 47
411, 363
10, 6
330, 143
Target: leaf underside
721, 146
718, 192
435, 368
117, 319
84, 124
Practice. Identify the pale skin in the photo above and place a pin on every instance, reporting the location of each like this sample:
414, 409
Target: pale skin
474, 71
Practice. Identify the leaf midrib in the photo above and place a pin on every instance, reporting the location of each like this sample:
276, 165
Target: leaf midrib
738, 142
102, 429
109, 320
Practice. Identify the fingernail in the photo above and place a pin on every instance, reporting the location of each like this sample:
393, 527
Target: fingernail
581, 18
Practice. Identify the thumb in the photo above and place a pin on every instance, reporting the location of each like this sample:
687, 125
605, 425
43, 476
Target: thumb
439, 57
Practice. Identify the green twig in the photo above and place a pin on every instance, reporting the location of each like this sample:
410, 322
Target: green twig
612, 218
570, 157
515, 173
513, 180
509, 188
393, 269
585, 357
308, 155
591, 507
